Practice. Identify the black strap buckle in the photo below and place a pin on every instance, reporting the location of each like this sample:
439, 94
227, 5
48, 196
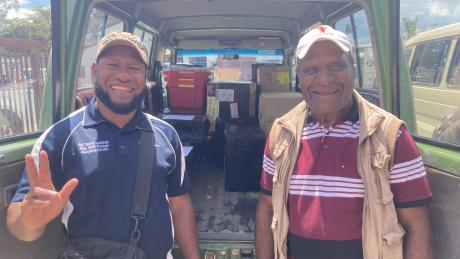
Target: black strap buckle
136, 234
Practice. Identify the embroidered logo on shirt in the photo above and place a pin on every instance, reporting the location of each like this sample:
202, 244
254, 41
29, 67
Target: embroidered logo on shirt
92, 147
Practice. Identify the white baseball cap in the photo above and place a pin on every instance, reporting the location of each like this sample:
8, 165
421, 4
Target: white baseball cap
321, 33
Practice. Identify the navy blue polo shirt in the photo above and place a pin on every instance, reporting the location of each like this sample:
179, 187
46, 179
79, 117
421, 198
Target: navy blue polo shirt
104, 159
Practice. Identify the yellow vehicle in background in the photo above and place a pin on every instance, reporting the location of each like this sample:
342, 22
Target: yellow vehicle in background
434, 59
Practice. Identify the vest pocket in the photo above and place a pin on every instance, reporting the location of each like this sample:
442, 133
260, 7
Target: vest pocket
393, 243
380, 162
278, 150
277, 158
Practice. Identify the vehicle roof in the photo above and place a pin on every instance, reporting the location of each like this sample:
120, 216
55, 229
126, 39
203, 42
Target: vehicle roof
438, 33
230, 22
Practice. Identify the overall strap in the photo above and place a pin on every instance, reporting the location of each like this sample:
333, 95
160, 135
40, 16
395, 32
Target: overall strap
147, 159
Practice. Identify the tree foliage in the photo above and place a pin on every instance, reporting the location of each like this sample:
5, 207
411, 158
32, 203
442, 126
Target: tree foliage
36, 25
409, 27
8, 4
5, 6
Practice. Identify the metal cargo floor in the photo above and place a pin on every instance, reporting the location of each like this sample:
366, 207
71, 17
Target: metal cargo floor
220, 214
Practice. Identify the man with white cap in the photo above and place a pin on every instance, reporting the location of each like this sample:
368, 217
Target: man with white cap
84, 167
341, 177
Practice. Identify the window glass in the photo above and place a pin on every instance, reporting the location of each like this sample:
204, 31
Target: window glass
431, 30
365, 53
294, 80
429, 62
146, 37
407, 53
148, 40
453, 80
230, 61
344, 25
165, 65
100, 24
113, 24
25, 38
356, 28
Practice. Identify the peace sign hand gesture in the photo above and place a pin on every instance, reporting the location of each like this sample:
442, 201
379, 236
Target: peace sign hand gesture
43, 203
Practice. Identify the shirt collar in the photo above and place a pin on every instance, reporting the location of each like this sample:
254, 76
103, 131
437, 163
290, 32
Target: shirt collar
352, 115
94, 117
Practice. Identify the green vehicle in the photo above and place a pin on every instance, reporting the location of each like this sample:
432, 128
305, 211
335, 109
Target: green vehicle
213, 36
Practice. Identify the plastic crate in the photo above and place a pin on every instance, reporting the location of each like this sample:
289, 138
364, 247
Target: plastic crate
183, 99
187, 79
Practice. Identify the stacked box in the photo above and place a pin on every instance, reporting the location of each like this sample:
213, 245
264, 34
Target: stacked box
273, 78
235, 69
230, 100
227, 74
275, 105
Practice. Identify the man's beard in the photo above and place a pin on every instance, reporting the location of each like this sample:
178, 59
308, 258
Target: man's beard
119, 108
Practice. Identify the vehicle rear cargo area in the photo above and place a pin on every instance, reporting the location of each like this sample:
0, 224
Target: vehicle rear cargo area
220, 214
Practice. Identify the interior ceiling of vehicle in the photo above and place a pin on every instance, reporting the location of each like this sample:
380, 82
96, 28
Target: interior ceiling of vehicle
230, 20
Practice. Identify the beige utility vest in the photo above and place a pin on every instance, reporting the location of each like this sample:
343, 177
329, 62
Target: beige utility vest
381, 232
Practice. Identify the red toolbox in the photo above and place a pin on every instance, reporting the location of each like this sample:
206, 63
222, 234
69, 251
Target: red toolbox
187, 79
186, 89
186, 99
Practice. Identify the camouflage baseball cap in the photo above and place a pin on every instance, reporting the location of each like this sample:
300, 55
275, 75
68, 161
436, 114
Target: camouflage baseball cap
123, 38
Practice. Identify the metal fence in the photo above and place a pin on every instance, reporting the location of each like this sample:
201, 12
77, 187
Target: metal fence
22, 75
19, 108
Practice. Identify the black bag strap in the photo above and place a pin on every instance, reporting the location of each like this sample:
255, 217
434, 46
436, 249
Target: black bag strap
147, 159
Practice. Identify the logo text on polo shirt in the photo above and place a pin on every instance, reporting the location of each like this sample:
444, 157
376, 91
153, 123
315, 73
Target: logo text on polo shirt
91, 147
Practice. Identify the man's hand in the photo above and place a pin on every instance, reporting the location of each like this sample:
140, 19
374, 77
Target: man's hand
28, 219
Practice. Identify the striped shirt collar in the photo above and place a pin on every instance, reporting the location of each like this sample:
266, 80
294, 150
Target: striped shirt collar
352, 115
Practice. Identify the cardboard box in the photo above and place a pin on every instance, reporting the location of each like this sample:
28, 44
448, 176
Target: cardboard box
275, 105
273, 78
244, 64
230, 100
227, 74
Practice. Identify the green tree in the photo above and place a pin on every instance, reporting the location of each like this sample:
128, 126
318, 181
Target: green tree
5, 6
36, 25
409, 27
41, 23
